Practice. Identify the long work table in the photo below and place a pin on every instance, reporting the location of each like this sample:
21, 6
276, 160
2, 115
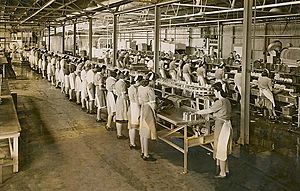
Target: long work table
9, 128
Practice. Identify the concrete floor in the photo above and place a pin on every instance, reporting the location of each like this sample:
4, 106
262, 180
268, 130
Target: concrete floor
63, 148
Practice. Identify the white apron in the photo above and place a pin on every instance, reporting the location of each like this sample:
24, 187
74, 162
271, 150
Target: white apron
148, 122
201, 80
268, 95
187, 77
223, 141
77, 84
72, 81
111, 103
122, 111
134, 111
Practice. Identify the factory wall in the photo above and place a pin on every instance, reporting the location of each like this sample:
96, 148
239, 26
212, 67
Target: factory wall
264, 35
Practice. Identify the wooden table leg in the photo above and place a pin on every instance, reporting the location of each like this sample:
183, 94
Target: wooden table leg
16, 154
186, 150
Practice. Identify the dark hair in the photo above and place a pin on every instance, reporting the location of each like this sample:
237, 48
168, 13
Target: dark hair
145, 82
103, 67
265, 73
218, 86
112, 73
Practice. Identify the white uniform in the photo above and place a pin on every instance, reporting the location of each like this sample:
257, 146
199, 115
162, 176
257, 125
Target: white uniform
110, 99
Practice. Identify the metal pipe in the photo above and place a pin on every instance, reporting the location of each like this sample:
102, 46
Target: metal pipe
90, 38
115, 43
228, 20
49, 30
233, 10
146, 7
74, 39
63, 39
200, 6
46, 5
246, 60
156, 39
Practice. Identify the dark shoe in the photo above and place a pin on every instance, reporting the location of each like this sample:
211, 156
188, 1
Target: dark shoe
149, 158
142, 155
108, 128
220, 177
121, 137
133, 147
99, 120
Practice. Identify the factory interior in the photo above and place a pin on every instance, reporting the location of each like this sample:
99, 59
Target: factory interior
150, 95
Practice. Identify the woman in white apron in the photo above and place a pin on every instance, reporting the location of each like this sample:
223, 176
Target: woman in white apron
52, 69
49, 58
44, 65
134, 110
62, 75
122, 105
57, 69
78, 82
146, 96
100, 91
66, 77
201, 74
84, 103
90, 76
221, 110
172, 69
72, 77
186, 73
110, 98
265, 92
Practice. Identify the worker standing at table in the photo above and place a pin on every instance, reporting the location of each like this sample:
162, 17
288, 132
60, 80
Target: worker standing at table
83, 92
146, 96
134, 110
110, 98
100, 91
72, 78
220, 76
78, 81
201, 74
221, 110
121, 104
90, 78
265, 93
172, 69
186, 72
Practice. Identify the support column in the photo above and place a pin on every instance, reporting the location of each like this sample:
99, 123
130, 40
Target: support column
220, 35
49, 38
115, 43
63, 39
265, 42
246, 61
90, 38
156, 38
74, 38
54, 30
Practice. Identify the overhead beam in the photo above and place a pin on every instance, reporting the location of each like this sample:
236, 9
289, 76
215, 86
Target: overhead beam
59, 8
35, 13
46, 9
104, 6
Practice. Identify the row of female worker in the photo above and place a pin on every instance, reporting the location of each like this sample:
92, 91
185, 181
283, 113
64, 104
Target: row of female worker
93, 85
